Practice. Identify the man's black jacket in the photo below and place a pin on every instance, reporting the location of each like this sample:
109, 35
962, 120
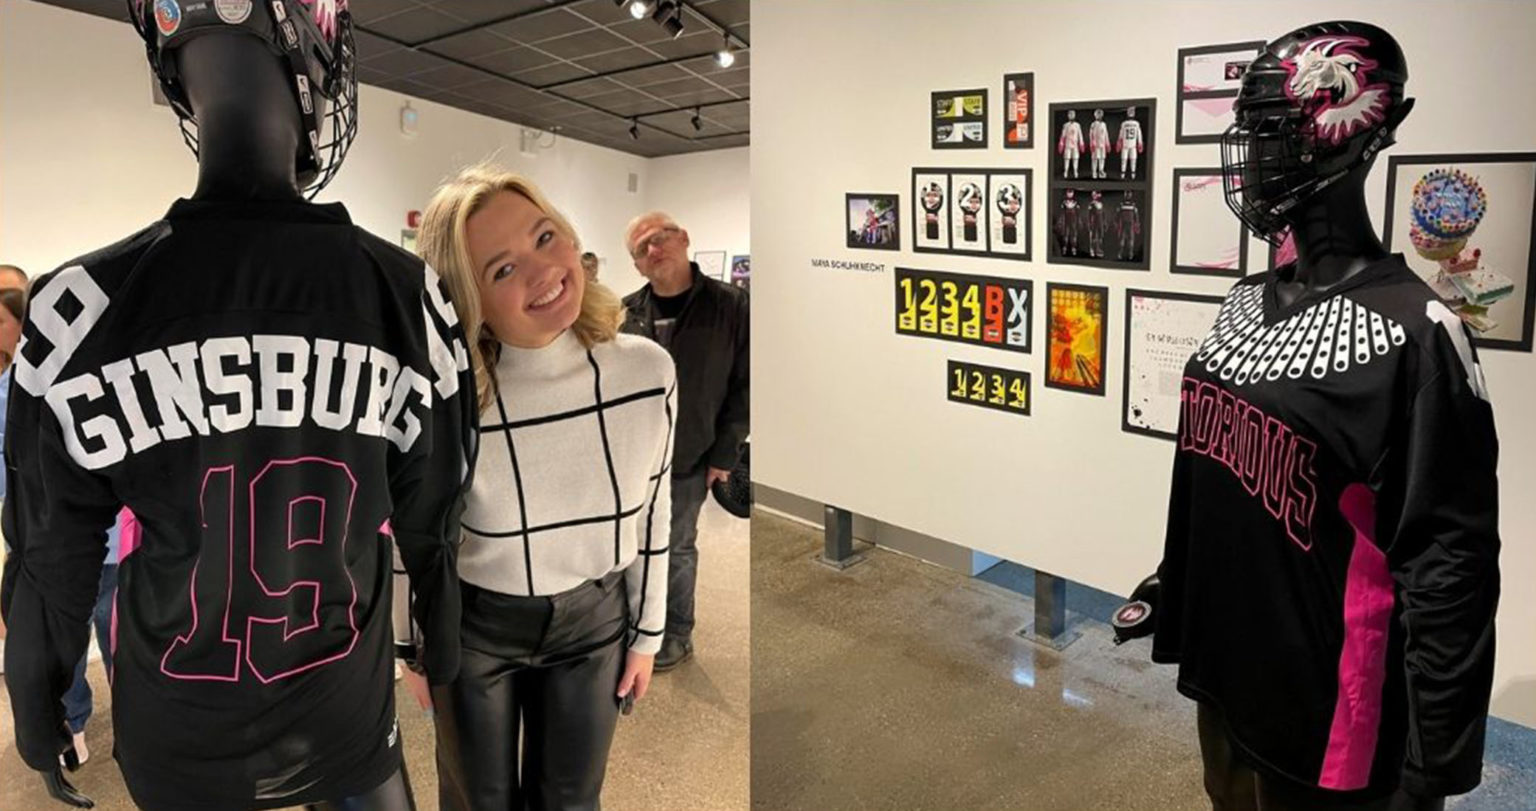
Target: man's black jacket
709, 346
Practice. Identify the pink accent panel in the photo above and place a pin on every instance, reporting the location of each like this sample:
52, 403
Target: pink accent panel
1368, 602
386, 529
1286, 253
112, 638
130, 534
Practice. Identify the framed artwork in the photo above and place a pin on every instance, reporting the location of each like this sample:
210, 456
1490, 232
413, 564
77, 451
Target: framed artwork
1100, 186
1018, 116
1209, 79
1207, 239
408, 239
1162, 331
741, 271
711, 263
972, 212
1465, 224
978, 310
988, 386
873, 221
1075, 336
959, 119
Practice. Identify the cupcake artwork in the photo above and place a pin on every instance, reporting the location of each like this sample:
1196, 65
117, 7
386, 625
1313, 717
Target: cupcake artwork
1447, 205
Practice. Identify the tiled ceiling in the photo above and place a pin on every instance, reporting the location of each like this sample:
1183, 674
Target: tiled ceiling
585, 67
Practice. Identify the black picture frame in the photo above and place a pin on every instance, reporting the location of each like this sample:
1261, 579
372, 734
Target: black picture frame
1528, 306
1050, 336
963, 281
1112, 188
1125, 356
895, 208
965, 118
1182, 95
1179, 177
1027, 82
966, 367
992, 247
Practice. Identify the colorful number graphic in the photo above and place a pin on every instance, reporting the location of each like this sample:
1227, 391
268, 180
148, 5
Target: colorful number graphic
981, 310
989, 386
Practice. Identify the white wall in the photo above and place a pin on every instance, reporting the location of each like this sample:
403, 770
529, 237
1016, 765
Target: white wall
847, 412
86, 158
707, 193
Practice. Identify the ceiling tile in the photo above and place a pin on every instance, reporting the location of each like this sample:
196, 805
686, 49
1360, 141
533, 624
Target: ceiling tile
693, 97
549, 74
633, 105
583, 43
617, 60
471, 45
652, 75
506, 94
415, 25
481, 11
590, 88
544, 26
641, 31
450, 77
725, 12
672, 88
601, 11
689, 44
367, 11
404, 62
514, 60
370, 46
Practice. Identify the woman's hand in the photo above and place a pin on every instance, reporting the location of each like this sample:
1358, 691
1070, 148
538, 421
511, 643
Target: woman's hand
637, 674
417, 682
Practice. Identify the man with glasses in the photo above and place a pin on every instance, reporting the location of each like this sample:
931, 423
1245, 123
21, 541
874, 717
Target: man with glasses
703, 323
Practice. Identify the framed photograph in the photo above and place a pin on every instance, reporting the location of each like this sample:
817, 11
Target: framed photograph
968, 219
1009, 193
959, 119
874, 221
1075, 337
1465, 223
930, 210
1207, 239
1162, 331
711, 263
979, 310
1099, 191
1018, 100
988, 386
741, 271
1209, 79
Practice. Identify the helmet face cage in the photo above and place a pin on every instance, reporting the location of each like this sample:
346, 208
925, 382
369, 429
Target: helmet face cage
287, 28
1268, 167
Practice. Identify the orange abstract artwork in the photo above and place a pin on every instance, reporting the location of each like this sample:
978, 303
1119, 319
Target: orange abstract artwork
1076, 345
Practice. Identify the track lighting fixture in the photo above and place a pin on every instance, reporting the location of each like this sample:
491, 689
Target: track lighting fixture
697, 124
674, 25
634, 128
639, 8
725, 57
663, 8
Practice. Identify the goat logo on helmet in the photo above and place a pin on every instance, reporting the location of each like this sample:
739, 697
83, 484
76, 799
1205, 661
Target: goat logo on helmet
1330, 80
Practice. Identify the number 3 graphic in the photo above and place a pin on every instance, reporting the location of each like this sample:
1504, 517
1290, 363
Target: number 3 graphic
283, 623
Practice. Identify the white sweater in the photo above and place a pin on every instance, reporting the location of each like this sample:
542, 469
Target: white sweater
573, 478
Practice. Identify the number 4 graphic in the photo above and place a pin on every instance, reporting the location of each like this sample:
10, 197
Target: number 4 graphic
280, 622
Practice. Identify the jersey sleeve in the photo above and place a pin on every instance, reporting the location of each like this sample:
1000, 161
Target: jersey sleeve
56, 518
1444, 557
428, 493
646, 577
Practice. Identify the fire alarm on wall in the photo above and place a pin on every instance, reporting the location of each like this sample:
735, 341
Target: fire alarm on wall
413, 219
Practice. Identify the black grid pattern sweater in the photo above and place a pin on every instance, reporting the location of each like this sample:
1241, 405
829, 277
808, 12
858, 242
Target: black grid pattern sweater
573, 479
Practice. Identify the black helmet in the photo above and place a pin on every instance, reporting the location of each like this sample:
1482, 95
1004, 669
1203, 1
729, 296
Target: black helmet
1317, 103
312, 37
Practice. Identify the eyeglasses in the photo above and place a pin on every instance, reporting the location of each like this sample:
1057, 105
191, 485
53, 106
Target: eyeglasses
644, 246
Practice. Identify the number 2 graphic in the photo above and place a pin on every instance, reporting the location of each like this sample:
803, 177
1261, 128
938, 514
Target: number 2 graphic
299, 512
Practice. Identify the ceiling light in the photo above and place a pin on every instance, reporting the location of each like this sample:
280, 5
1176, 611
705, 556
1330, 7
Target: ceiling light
663, 8
724, 57
674, 25
620, 3
634, 129
639, 8
697, 124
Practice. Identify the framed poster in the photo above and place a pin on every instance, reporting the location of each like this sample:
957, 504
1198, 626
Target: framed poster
1008, 192
1100, 188
1465, 223
968, 219
988, 387
741, 271
1209, 79
711, 263
1207, 239
1018, 122
873, 222
1075, 336
972, 212
960, 119
930, 210
978, 310
1162, 331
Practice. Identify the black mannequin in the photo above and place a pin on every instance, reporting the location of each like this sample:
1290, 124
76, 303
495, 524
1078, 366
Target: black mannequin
1334, 238
248, 139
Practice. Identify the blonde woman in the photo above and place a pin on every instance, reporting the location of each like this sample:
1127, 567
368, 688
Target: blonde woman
564, 560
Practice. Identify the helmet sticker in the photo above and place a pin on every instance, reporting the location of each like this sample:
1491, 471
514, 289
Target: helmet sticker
167, 16
233, 12
1329, 79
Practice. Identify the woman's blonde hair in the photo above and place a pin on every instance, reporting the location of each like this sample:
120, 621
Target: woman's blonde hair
444, 244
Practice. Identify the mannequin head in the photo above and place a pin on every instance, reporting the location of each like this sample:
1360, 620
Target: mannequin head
1314, 110
1071, 115
1098, 115
1130, 112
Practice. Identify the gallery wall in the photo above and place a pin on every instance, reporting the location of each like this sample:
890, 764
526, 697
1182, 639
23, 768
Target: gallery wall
708, 194
850, 413
86, 158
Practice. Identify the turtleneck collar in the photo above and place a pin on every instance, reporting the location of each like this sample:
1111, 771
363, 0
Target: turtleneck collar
559, 355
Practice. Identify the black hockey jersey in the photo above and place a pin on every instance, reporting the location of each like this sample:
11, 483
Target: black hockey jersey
275, 394
1330, 571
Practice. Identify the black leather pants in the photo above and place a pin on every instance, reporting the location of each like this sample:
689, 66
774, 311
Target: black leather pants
547, 665
393, 794
1233, 785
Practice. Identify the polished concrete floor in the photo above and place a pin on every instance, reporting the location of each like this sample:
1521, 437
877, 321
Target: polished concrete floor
685, 746
900, 685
